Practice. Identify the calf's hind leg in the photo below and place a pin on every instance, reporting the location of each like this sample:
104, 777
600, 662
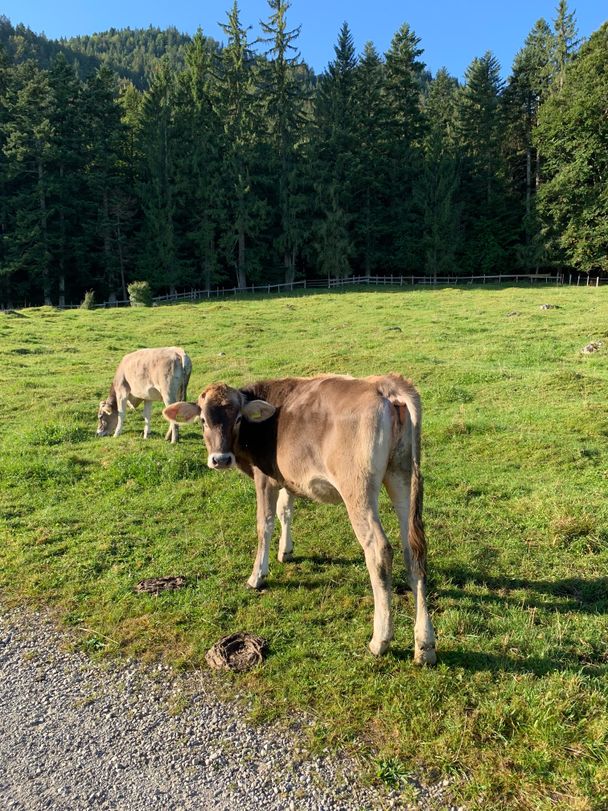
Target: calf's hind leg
413, 544
285, 515
379, 561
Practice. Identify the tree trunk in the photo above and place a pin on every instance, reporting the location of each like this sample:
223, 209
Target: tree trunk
46, 280
121, 260
528, 178
241, 276
106, 241
62, 248
289, 263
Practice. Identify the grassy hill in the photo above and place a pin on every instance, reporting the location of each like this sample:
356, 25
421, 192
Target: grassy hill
514, 455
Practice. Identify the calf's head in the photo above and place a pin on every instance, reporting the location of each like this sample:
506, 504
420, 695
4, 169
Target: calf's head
220, 409
107, 419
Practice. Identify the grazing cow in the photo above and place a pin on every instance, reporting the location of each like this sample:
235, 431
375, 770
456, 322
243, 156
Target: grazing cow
148, 375
331, 438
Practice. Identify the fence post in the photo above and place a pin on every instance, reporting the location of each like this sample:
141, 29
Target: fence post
597, 282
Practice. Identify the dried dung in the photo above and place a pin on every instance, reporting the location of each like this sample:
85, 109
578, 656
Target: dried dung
240, 651
154, 585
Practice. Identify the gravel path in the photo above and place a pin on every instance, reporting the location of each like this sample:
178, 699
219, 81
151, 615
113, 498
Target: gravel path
77, 735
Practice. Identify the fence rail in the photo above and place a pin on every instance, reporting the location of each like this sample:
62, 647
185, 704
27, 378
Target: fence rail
376, 281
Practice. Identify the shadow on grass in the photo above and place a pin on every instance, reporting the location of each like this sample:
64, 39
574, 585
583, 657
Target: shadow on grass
480, 662
582, 595
325, 560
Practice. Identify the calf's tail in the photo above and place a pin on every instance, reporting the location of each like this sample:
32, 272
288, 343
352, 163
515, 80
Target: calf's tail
403, 395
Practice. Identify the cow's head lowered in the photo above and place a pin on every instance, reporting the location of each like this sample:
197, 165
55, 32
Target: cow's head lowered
220, 409
107, 419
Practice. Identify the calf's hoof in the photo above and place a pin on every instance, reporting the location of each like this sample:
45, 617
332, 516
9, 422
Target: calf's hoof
258, 584
285, 557
425, 656
378, 648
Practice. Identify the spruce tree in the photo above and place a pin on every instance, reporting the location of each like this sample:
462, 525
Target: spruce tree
237, 105
565, 41
198, 177
107, 178
28, 147
528, 85
435, 190
572, 136
488, 227
283, 99
334, 158
67, 194
404, 74
372, 177
158, 259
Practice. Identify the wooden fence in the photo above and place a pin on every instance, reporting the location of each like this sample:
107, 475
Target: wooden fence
376, 281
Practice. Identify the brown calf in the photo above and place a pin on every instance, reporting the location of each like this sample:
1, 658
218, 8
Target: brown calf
330, 438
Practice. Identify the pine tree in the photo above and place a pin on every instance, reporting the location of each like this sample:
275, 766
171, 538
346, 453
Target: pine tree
107, 189
372, 178
237, 106
198, 165
6, 294
28, 134
435, 191
66, 188
565, 41
158, 260
334, 156
284, 97
488, 227
528, 85
572, 135
404, 74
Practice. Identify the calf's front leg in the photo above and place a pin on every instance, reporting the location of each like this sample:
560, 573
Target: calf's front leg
121, 405
266, 505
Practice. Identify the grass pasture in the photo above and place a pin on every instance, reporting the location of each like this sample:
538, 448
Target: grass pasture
515, 441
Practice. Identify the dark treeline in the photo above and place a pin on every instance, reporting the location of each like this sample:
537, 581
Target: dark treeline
237, 165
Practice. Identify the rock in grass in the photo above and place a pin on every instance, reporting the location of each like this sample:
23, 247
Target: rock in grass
549, 306
594, 346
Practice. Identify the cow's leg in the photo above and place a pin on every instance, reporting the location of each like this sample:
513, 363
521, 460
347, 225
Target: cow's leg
121, 405
169, 396
285, 515
147, 417
266, 502
379, 559
398, 485
173, 430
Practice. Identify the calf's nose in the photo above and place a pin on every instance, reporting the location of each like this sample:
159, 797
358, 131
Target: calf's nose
219, 460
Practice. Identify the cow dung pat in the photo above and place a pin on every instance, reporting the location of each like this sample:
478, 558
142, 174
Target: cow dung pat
154, 585
240, 651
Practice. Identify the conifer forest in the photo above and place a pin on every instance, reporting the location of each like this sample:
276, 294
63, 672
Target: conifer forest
155, 156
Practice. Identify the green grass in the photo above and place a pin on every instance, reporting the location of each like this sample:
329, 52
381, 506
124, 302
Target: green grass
514, 457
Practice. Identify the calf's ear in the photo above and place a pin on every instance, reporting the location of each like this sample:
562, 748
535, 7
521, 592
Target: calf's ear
181, 412
257, 410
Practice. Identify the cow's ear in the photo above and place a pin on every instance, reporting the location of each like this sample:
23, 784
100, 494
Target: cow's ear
257, 410
181, 412
106, 409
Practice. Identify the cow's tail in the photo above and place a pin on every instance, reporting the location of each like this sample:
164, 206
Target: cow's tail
186, 372
403, 395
